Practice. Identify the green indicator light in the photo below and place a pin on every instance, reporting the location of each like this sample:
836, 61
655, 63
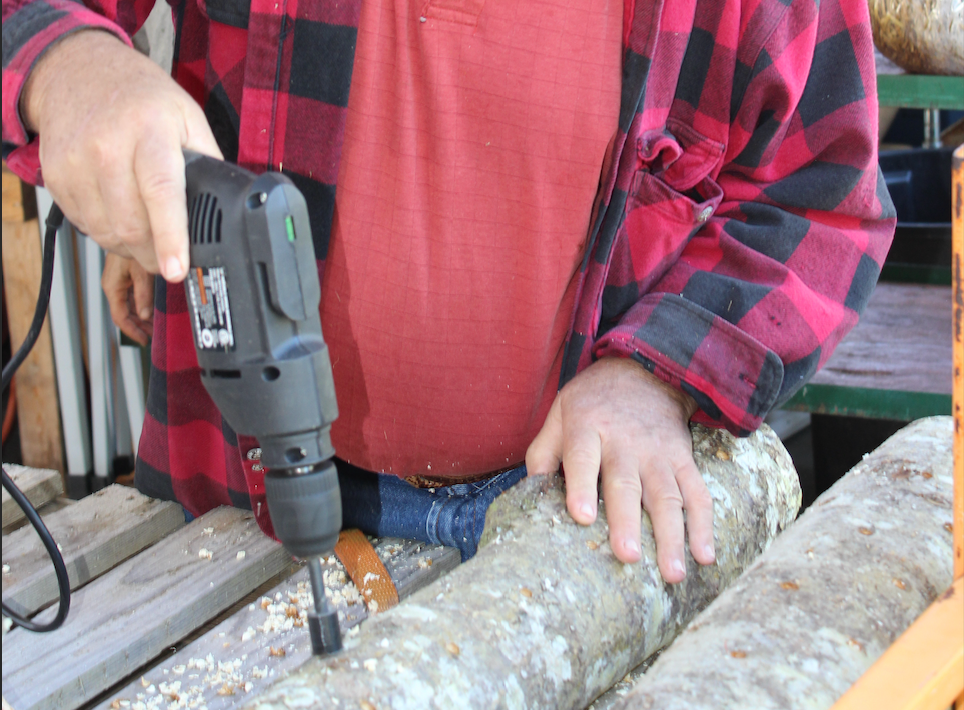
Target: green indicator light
290, 226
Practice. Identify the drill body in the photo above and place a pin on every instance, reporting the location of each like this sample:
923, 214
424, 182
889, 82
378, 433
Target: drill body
253, 296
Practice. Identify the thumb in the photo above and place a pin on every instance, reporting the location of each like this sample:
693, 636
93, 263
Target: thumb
544, 455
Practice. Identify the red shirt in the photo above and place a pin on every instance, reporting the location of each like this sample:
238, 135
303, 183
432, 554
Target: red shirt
737, 231
460, 222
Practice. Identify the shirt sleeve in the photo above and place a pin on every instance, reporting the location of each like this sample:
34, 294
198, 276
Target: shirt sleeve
30, 28
789, 248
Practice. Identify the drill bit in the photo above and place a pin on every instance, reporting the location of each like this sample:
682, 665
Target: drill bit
323, 619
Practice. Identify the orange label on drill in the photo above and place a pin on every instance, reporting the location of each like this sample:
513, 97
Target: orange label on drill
211, 311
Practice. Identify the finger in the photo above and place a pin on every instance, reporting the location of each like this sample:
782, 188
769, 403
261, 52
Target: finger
581, 454
116, 285
143, 292
664, 503
622, 493
699, 512
159, 171
545, 452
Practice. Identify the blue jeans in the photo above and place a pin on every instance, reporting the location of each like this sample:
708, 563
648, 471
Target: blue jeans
388, 506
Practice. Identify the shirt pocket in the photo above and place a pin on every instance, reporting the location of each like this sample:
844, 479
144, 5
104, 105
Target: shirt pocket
674, 179
233, 13
672, 195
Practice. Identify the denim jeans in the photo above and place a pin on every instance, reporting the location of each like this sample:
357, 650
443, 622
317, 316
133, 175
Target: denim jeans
388, 506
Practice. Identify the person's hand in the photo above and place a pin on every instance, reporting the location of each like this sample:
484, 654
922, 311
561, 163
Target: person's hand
112, 126
617, 421
130, 294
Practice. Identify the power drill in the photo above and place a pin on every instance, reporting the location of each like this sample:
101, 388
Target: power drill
253, 295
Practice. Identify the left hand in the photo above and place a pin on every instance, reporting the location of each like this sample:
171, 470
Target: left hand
130, 294
618, 422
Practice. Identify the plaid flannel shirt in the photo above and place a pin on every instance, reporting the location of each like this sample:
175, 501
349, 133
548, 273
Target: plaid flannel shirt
738, 231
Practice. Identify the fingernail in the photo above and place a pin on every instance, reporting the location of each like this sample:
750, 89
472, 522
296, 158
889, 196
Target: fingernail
173, 269
145, 313
710, 554
679, 567
632, 546
587, 510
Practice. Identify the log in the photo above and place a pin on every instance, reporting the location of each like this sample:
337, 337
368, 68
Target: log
544, 615
922, 37
828, 598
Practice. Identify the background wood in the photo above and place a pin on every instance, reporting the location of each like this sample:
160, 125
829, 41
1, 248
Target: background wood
902, 342
131, 614
255, 657
38, 408
94, 535
39, 485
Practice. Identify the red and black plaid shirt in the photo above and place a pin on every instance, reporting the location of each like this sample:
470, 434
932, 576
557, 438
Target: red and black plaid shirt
738, 231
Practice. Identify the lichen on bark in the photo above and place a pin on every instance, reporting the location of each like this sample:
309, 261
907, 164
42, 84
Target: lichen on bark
545, 616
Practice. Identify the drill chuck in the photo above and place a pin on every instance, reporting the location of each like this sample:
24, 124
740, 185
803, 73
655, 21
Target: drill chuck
305, 509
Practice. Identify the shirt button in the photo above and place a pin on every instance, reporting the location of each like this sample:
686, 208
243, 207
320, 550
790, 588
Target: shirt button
257, 468
254, 455
705, 214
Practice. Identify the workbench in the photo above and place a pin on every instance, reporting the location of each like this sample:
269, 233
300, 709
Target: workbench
168, 614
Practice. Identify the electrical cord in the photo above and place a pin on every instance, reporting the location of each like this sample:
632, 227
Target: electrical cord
54, 219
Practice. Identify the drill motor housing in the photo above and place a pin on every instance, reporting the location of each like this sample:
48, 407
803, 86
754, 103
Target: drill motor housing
253, 295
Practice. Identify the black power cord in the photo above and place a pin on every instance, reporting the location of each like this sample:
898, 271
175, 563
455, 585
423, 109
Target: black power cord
54, 219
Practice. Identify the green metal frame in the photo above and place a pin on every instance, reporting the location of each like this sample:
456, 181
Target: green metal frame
920, 91
870, 403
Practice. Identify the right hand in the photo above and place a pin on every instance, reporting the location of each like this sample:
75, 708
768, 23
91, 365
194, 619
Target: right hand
130, 294
112, 127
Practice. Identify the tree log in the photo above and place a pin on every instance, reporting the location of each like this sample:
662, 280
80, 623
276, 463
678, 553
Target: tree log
545, 616
828, 598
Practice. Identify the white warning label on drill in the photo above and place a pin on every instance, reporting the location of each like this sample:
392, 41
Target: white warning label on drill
212, 312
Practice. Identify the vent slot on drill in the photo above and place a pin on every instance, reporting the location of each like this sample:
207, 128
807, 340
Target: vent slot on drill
204, 218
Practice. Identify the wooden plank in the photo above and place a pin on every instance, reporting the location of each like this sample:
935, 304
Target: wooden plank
255, 642
40, 485
38, 411
131, 614
94, 535
19, 201
902, 342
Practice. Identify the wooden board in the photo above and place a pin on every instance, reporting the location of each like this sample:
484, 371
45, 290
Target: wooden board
38, 484
94, 535
38, 410
251, 649
130, 615
902, 342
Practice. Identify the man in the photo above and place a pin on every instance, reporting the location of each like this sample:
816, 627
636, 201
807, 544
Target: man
669, 208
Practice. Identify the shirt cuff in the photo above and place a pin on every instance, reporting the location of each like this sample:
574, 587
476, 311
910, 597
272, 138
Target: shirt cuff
27, 34
733, 377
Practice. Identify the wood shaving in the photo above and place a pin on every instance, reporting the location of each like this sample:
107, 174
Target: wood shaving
248, 634
370, 664
453, 648
240, 555
6, 569
226, 690
208, 531
592, 544
277, 652
790, 585
738, 654
526, 592
865, 531
899, 583
205, 554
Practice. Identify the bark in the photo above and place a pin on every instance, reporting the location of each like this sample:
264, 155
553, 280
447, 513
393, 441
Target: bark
828, 598
545, 616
